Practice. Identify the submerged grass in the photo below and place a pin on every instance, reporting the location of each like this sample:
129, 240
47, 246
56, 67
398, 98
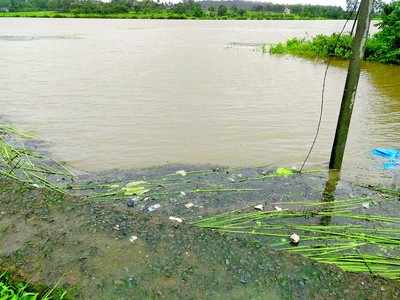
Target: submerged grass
354, 241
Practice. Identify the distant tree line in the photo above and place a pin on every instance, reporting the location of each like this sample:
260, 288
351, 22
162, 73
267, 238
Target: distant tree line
190, 8
310, 11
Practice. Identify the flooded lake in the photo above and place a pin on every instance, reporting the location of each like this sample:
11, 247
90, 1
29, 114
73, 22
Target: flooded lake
137, 93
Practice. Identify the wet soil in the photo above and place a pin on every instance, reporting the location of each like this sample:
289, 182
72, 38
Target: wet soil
87, 245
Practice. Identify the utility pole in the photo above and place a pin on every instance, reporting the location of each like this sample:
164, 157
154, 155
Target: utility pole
353, 76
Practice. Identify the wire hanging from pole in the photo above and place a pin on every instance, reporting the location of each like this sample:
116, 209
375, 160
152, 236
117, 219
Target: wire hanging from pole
328, 64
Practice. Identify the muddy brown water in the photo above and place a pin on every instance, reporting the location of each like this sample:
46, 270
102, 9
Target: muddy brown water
137, 93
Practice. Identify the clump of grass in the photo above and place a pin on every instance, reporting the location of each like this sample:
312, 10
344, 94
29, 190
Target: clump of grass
11, 290
25, 165
321, 46
382, 47
360, 242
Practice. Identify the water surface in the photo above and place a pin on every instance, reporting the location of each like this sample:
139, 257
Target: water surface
137, 93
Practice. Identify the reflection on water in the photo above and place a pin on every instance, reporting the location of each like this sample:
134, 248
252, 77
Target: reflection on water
172, 92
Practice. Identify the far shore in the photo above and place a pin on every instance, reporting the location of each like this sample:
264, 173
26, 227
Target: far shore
152, 15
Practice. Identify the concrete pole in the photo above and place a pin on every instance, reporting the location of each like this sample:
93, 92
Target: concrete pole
353, 75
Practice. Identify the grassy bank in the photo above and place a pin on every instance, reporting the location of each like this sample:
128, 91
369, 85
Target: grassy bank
323, 46
383, 47
162, 14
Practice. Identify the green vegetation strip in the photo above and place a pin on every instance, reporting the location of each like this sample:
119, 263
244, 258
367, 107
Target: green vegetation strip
358, 242
383, 47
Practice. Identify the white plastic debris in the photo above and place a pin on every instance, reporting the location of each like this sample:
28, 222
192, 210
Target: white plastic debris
277, 208
183, 194
259, 207
116, 227
181, 172
153, 207
295, 239
365, 205
189, 205
133, 238
175, 219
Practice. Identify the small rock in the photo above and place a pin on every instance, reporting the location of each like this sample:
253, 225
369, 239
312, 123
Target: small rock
132, 202
295, 239
133, 238
365, 205
181, 172
189, 205
277, 208
153, 207
175, 219
259, 207
231, 179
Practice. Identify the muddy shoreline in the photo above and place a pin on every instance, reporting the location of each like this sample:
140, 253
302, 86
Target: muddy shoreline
87, 246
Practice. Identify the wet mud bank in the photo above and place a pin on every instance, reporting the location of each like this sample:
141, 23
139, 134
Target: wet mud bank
108, 247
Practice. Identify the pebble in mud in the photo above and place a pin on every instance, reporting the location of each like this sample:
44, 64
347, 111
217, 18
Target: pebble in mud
175, 219
132, 202
133, 238
259, 207
189, 205
295, 239
153, 207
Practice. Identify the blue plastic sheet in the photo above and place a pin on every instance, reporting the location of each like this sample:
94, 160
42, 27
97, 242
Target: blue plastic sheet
392, 156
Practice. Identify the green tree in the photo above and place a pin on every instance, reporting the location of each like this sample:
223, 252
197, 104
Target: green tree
222, 10
385, 45
5, 3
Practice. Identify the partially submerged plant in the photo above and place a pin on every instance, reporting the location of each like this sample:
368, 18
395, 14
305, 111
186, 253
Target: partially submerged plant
25, 165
